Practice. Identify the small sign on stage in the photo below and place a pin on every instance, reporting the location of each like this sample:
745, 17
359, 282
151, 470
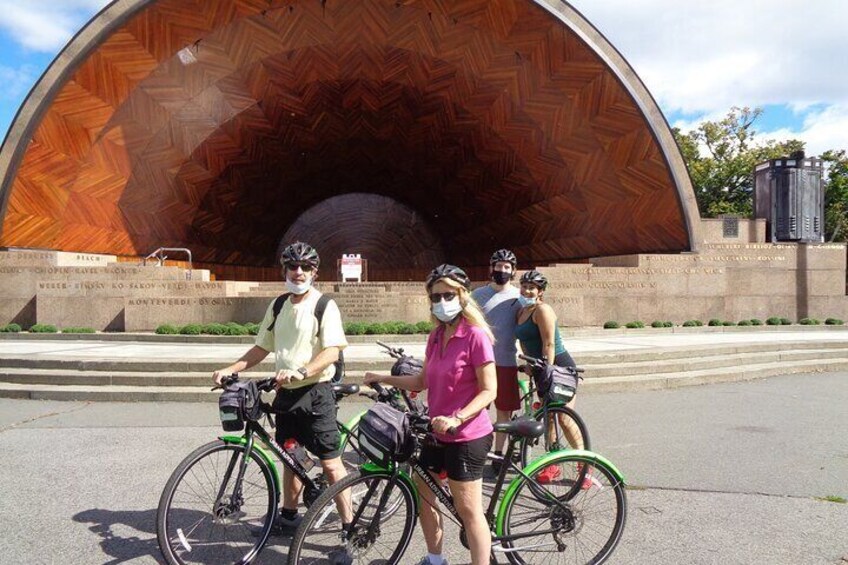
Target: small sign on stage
352, 267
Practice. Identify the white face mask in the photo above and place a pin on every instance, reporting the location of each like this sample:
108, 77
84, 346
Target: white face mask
447, 310
524, 301
298, 289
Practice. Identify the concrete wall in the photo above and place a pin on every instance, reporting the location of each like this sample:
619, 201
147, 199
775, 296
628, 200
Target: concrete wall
726, 281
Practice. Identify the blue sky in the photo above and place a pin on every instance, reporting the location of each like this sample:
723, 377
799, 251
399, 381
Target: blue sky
697, 58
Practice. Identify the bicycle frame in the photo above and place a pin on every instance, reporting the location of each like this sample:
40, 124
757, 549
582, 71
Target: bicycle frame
251, 432
496, 511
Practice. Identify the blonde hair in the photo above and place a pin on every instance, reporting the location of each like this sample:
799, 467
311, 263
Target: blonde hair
470, 311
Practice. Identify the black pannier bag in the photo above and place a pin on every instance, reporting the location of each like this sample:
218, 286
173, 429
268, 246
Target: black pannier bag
555, 384
239, 402
407, 366
384, 435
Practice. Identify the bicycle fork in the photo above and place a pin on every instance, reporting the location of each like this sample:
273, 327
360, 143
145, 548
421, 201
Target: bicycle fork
224, 508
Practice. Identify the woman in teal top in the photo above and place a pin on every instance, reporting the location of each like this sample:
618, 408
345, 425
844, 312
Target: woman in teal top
536, 326
538, 335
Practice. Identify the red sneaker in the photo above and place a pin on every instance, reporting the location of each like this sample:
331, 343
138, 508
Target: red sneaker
549, 474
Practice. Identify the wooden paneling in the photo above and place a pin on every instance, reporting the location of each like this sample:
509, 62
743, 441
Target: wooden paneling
491, 121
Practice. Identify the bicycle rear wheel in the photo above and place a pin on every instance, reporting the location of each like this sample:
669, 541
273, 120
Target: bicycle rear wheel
578, 520
377, 538
565, 429
204, 517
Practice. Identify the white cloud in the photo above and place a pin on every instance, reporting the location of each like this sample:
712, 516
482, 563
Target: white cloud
16, 81
46, 25
704, 57
823, 129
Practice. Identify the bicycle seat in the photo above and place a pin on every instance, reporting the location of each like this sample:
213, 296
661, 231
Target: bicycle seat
524, 427
342, 390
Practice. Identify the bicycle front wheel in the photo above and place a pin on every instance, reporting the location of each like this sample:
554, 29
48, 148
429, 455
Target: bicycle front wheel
565, 429
383, 526
577, 517
205, 517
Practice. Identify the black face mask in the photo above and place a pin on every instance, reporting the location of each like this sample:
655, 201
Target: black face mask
500, 277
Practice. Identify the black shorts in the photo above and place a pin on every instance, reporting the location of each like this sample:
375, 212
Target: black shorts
463, 461
308, 415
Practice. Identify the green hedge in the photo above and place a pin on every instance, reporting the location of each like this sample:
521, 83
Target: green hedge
386, 328
773, 321
692, 323
635, 324
809, 322
834, 322
167, 329
78, 330
44, 329
191, 329
10, 329
611, 325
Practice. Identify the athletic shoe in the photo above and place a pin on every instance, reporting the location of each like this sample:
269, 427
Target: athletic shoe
426, 561
549, 474
283, 526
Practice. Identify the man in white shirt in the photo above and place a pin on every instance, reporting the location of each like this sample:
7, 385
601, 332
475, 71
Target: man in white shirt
304, 353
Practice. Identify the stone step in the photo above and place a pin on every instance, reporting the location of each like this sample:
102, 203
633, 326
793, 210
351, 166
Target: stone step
677, 365
597, 364
123, 393
138, 374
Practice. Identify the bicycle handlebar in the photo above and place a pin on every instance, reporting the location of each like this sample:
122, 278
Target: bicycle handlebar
265, 385
541, 363
396, 352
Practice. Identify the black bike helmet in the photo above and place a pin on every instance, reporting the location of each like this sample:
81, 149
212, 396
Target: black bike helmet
503, 255
535, 277
451, 272
299, 253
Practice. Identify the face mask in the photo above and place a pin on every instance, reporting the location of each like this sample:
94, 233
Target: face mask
298, 289
524, 301
500, 277
447, 310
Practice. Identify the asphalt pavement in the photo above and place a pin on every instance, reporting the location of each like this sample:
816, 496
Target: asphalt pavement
726, 473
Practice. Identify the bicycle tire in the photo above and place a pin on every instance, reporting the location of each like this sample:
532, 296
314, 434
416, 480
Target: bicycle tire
530, 449
189, 505
589, 523
318, 539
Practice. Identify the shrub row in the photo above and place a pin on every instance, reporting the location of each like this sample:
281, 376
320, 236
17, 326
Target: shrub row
773, 321
351, 328
230, 328
378, 328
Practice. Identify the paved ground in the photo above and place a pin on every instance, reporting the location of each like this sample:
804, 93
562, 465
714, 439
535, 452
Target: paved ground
228, 352
726, 474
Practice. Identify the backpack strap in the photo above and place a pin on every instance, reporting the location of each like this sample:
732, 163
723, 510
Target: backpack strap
320, 307
278, 307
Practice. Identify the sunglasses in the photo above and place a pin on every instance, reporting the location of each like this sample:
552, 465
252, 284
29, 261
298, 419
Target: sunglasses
305, 267
439, 296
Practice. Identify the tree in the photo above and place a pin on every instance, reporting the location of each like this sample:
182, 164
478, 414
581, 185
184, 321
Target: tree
836, 195
721, 156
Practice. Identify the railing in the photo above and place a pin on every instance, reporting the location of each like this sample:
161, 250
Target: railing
160, 257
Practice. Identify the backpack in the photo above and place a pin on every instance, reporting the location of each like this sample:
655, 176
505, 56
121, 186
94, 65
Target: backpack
319, 315
555, 384
240, 402
385, 435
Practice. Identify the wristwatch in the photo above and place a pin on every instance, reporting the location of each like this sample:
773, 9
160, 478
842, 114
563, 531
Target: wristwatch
303, 372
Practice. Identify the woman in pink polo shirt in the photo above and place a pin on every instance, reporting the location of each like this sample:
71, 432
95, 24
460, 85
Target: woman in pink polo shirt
459, 375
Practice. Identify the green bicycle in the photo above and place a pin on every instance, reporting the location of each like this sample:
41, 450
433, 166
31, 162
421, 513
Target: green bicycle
562, 521
219, 504
565, 428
